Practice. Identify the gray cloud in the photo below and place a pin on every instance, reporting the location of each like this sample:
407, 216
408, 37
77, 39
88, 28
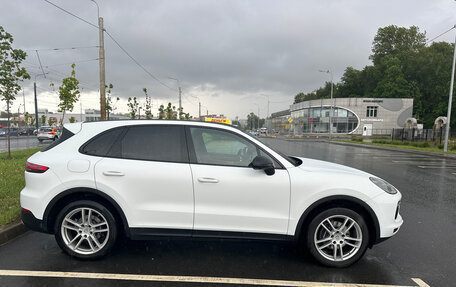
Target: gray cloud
222, 51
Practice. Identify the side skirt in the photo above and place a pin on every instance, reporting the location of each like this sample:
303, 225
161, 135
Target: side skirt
164, 233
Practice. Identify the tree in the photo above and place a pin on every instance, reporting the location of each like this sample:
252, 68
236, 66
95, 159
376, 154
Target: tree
397, 41
50, 122
109, 106
133, 107
170, 112
72, 119
393, 83
11, 73
148, 106
161, 112
253, 121
43, 120
68, 94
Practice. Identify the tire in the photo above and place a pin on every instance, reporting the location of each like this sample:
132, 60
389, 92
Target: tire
40, 141
82, 236
337, 229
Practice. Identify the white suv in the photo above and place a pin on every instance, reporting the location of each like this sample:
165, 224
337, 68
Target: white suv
183, 178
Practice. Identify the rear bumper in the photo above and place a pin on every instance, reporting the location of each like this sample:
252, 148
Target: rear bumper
32, 223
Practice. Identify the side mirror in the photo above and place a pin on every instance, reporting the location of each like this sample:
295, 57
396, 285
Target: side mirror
264, 163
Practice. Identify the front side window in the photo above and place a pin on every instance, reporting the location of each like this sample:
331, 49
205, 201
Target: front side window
218, 147
152, 142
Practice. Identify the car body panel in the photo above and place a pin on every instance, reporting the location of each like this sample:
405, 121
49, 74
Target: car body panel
240, 199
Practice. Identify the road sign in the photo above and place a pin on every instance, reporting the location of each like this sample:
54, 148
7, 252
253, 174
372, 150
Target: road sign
290, 120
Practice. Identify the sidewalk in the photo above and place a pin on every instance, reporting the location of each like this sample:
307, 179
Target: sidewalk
11, 231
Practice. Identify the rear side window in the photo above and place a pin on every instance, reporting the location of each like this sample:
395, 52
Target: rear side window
101, 144
66, 134
152, 142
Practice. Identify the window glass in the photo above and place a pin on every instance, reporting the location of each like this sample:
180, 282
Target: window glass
100, 144
222, 148
66, 134
153, 142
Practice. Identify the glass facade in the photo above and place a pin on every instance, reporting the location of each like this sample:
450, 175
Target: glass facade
316, 120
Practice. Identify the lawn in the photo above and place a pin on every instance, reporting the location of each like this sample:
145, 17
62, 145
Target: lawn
11, 183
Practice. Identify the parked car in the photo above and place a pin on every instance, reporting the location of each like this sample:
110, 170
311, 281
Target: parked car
13, 132
196, 179
48, 133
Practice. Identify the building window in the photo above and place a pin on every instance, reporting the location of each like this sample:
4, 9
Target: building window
371, 112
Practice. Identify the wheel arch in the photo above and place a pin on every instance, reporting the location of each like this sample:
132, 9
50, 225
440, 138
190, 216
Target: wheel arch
340, 201
58, 202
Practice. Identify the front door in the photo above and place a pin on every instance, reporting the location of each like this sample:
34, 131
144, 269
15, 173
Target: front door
230, 195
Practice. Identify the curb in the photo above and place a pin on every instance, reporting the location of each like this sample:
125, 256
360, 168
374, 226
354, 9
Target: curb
12, 231
422, 152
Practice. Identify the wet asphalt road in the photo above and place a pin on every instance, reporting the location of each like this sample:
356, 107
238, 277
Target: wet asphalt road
21, 142
423, 248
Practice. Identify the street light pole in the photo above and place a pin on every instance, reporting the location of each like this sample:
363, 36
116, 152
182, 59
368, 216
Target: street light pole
267, 115
450, 100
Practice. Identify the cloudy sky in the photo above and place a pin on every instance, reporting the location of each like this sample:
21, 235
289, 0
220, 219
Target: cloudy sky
226, 54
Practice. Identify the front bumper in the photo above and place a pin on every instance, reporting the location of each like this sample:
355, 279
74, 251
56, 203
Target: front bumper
32, 223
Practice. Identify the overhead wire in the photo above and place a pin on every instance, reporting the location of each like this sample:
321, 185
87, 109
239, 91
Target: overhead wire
68, 12
117, 43
61, 49
137, 63
441, 34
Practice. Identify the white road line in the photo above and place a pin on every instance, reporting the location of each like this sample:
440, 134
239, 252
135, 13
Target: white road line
454, 173
420, 282
191, 279
434, 166
430, 162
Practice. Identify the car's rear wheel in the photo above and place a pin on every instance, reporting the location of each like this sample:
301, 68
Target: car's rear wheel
86, 229
337, 237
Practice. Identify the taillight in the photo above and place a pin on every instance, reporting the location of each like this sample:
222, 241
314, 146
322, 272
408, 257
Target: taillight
36, 168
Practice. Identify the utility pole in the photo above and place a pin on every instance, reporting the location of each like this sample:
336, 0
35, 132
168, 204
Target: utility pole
36, 101
199, 110
447, 128
102, 71
23, 97
180, 96
36, 106
180, 103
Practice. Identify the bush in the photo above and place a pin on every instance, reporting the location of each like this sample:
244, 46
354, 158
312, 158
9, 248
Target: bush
357, 139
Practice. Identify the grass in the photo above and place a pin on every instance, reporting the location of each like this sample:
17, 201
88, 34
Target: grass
11, 183
406, 145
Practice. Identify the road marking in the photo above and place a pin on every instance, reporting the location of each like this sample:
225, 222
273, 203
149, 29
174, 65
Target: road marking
429, 162
191, 279
435, 166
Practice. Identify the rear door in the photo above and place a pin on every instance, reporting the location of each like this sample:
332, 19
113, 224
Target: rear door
147, 171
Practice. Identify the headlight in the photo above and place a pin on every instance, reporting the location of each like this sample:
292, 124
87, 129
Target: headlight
387, 187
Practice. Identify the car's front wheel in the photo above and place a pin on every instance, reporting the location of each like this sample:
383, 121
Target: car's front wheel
86, 229
337, 237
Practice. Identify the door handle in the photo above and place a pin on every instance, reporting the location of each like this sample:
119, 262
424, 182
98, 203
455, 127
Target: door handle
208, 180
113, 173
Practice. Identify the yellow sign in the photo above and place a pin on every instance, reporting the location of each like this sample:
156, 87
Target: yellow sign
290, 120
223, 121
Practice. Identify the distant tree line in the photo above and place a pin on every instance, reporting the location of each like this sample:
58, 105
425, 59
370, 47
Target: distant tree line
403, 67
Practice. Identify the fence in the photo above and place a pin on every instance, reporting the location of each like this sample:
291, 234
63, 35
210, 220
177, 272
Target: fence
420, 135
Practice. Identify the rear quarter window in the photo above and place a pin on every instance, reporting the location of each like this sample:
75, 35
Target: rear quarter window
66, 134
101, 143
